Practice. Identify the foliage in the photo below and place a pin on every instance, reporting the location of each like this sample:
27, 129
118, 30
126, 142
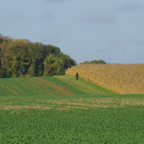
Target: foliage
56, 65
32, 69
19, 57
22, 69
93, 62
4, 43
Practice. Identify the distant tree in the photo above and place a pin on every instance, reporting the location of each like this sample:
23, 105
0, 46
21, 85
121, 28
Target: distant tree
49, 68
32, 68
101, 62
56, 65
3, 74
22, 69
81, 63
93, 62
17, 53
19, 57
41, 51
0, 66
4, 43
14, 72
86, 62
0, 74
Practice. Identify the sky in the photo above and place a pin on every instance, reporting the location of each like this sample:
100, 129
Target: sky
86, 30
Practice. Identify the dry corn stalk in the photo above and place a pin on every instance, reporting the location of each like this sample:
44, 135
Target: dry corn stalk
121, 78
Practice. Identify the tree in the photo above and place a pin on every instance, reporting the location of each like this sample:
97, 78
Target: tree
14, 72
49, 69
4, 42
56, 65
93, 62
22, 69
19, 57
101, 62
32, 68
17, 54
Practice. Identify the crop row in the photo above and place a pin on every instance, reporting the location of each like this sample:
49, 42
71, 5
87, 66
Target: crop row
121, 78
36, 85
76, 126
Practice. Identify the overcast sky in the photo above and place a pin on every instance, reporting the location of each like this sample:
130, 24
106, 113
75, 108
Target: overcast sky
111, 30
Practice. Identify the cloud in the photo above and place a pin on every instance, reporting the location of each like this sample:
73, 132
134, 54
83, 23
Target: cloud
100, 50
119, 43
18, 17
138, 42
99, 17
47, 16
109, 16
54, 38
57, 1
12, 18
131, 6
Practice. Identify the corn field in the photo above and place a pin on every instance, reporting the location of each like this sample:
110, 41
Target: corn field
121, 78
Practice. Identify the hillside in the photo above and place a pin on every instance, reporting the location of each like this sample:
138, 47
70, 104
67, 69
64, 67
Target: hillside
84, 85
57, 85
121, 78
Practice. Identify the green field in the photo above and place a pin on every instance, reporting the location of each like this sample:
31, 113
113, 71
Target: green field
51, 110
84, 85
57, 85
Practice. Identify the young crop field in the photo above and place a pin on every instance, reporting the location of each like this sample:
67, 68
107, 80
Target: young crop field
57, 85
52, 110
84, 119
36, 85
121, 78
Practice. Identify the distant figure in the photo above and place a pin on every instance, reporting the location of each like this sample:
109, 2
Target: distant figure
77, 75
68, 79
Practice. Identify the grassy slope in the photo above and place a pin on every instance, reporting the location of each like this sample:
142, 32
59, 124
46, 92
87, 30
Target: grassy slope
36, 85
57, 85
84, 85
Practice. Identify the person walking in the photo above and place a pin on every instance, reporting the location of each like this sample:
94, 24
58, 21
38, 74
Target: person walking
77, 75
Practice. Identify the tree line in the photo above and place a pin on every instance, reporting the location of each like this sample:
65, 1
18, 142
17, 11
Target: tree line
20, 58
93, 62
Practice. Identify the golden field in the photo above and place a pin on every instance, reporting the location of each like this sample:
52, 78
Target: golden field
121, 78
